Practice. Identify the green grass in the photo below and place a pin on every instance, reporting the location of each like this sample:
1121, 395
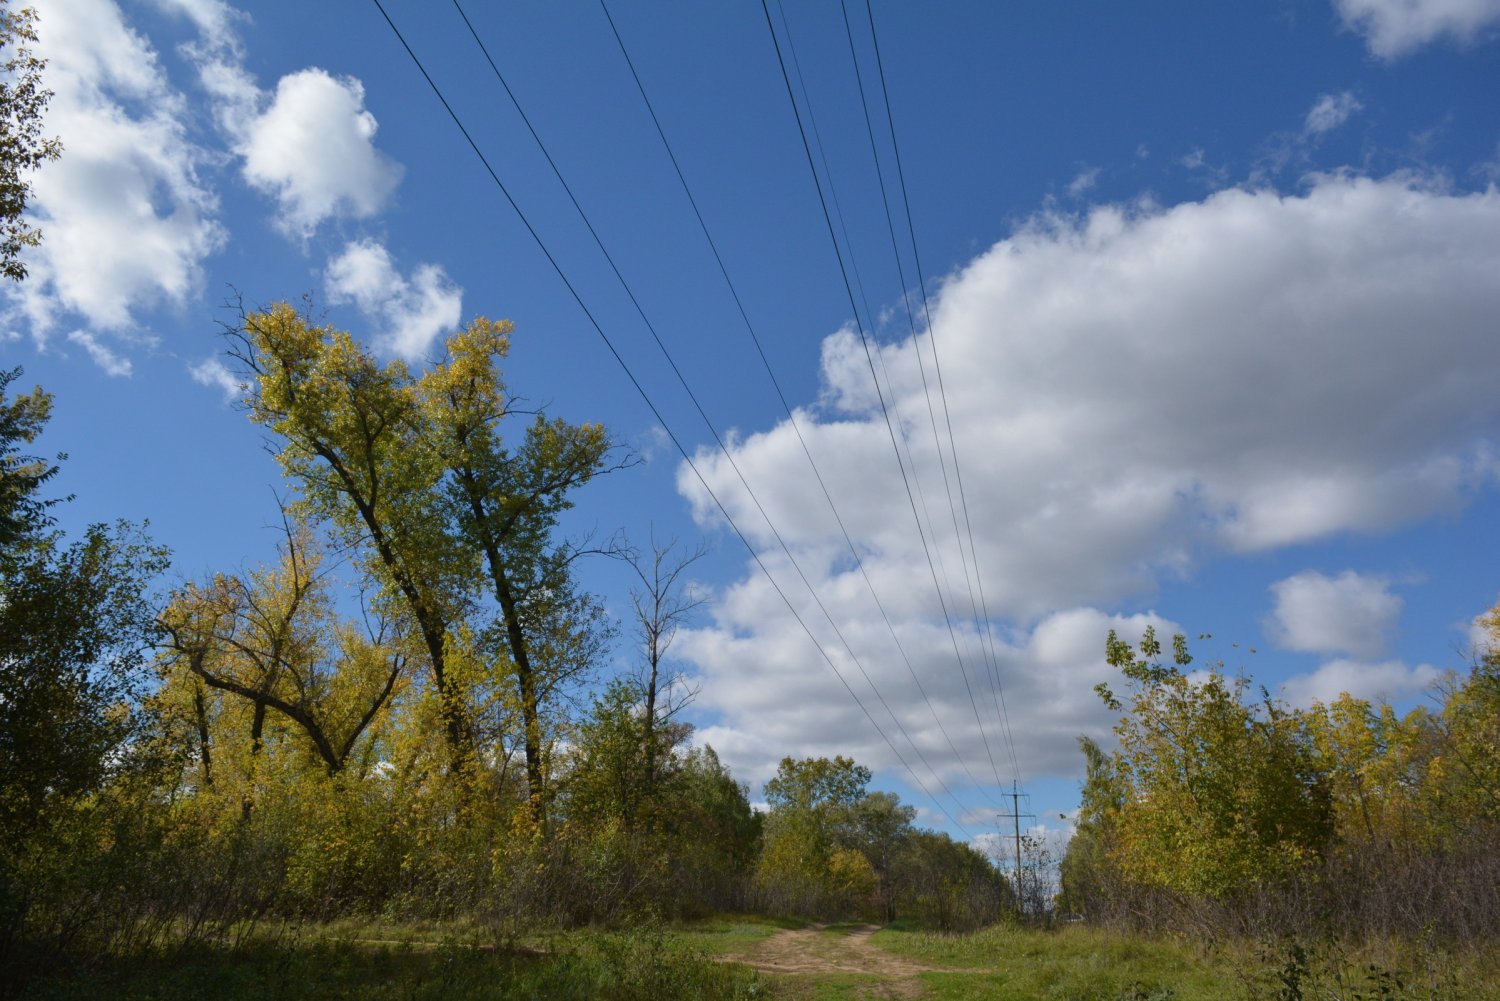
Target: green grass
731, 932
463, 962
643, 966
1010, 963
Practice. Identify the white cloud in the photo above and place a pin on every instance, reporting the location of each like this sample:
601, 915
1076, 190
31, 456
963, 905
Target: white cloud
126, 221
774, 695
1390, 679
313, 148
1132, 390
1084, 182
409, 313
1330, 111
1351, 613
112, 363
214, 373
217, 22
1484, 637
310, 144
1393, 28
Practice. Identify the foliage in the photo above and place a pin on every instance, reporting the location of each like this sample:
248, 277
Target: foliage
413, 470
76, 625
1347, 818
1219, 796
23, 147
833, 849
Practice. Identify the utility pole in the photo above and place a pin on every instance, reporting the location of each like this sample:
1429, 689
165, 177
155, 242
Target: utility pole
1015, 816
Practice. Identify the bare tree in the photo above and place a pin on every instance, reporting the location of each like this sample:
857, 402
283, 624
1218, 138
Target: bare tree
662, 603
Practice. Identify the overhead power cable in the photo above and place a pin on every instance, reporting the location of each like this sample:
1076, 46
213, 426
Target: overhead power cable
942, 391
646, 398
781, 395
880, 396
682, 380
911, 323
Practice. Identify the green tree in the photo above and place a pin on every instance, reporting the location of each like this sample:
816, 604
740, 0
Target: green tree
416, 472
23, 147
23, 511
1090, 873
1219, 795
76, 622
807, 861
504, 504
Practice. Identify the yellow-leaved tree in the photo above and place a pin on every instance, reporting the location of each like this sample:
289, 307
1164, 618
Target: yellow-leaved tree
1219, 795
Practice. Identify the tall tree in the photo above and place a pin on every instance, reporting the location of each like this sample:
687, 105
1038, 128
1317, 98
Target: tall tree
351, 432
23, 147
415, 469
504, 504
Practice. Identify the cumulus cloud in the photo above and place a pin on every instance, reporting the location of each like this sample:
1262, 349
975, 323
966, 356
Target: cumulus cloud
1389, 679
1394, 28
309, 143
1132, 390
127, 222
1329, 112
409, 313
314, 149
770, 689
1351, 613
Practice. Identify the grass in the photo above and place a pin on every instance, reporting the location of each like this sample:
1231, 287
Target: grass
629, 966
460, 962
731, 932
1078, 963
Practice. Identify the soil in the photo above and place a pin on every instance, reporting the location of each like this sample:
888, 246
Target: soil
813, 950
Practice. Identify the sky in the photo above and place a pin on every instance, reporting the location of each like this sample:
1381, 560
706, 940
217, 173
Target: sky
1176, 314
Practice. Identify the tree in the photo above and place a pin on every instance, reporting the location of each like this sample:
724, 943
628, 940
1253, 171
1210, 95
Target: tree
1090, 875
273, 640
661, 604
504, 506
807, 860
23, 513
23, 147
415, 472
76, 622
1219, 796
352, 439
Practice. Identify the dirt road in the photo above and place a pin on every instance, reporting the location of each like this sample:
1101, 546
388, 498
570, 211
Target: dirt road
844, 950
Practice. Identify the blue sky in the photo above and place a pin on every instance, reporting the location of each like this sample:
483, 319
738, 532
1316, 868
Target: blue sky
1213, 291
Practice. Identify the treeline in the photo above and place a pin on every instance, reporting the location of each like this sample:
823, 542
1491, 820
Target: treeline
1226, 810
404, 714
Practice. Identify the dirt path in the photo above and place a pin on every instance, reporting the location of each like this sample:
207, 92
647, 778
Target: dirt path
817, 950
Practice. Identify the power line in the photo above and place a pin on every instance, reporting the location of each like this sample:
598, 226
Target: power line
682, 380
942, 391
645, 397
879, 394
864, 106
781, 395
